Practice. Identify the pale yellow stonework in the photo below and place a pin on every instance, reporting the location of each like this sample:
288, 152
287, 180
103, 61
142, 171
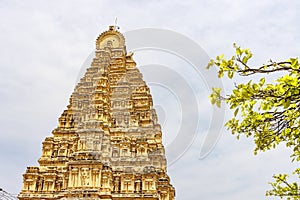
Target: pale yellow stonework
108, 143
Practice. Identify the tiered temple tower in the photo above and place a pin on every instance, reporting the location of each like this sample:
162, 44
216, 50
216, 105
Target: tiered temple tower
108, 143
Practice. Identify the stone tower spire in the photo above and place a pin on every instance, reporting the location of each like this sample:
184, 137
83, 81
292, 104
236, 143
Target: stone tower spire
108, 143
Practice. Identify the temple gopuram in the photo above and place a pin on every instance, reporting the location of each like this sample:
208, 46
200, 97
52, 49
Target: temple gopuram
108, 142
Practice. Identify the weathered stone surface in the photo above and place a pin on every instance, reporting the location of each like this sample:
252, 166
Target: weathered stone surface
108, 143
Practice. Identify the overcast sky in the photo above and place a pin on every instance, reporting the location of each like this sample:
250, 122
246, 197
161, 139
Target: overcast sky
43, 45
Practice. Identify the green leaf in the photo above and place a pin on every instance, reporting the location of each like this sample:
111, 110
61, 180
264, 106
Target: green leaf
238, 51
287, 103
262, 81
236, 112
218, 103
230, 74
